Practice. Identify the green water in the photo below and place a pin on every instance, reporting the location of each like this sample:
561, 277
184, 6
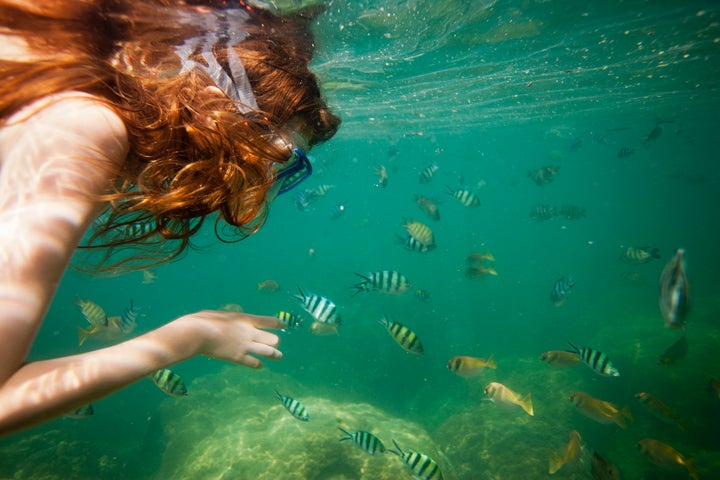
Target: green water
487, 91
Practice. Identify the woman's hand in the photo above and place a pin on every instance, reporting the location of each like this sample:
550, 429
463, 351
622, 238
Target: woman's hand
234, 337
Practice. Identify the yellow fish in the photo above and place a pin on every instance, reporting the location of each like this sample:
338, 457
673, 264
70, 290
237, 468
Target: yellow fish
499, 393
478, 258
480, 271
573, 450
108, 333
468, 367
420, 232
665, 456
658, 408
270, 286
600, 410
92, 312
560, 358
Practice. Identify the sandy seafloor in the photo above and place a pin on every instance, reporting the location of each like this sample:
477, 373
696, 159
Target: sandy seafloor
488, 91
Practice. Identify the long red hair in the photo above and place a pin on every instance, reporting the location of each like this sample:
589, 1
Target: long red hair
192, 153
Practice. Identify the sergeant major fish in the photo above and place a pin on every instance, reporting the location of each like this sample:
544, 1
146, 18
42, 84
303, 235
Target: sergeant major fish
596, 360
466, 197
420, 232
422, 466
92, 312
404, 337
116, 328
675, 292
323, 310
291, 320
561, 290
410, 243
169, 382
639, 255
427, 174
390, 282
296, 408
366, 441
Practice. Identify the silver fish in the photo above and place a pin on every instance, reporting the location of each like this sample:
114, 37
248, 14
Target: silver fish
422, 466
390, 282
367, 442
596, 360
296, 408
675, 292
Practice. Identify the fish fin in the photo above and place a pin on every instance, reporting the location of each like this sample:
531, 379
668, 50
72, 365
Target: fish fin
348, 435
556, 462
491, 362
397, 452
575, 349
84, 334
621, 417
526, 404
300, 297
692, 470
450, 190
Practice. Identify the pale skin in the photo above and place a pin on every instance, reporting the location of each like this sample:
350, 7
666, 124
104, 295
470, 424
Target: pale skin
50, 166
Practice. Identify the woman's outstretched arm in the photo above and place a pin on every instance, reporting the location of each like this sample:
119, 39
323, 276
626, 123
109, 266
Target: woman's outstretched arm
54, 158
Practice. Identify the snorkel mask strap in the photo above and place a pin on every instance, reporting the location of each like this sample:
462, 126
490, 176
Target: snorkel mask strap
224, 28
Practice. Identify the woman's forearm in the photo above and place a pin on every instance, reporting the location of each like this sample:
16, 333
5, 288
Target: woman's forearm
45, 389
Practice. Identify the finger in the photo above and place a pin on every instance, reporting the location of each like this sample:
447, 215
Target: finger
261, 336
264, 321
251, 362
266, 351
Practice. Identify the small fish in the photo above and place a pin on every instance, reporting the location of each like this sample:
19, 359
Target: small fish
571, 212
500, 394
83, 412
560, 358
148, 277
480, 271
410, 243
428, 206
561, 290
138, 230
303, 199
323, 310
390, 282
468, 367
337, 211
128, 318
466, 197
232, 307
404, 337
658, 408
422, 295
116, 328
639, 255
427, 174
543, 212
420, 232
270, 286
296, 408
422, 466
666, 457
675, 352
602, 469
625, 152
169, 382
600, 410
92, 312
382, 177
675, 292
367, 442
654, 134
321, 190
596, 360
544, 175
291, 320
479, 258
573, 451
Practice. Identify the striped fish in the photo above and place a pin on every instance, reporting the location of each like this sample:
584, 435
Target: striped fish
391, 282
422, 466
92, 312
412, 244
169, 382
322, 190
466, 197
404, 337
367, 442
675, 292
322, 309
420, 232
296, 408
291, 320
598, 361
128, 318
639, 255
427, 174
561, 290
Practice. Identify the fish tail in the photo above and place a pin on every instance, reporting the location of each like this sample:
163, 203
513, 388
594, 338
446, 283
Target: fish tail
397, 452
348, 435
82, 335
622, 416
491, 271
555, 463
526, 404
692, 469
491, 362
574, 347
300, 297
